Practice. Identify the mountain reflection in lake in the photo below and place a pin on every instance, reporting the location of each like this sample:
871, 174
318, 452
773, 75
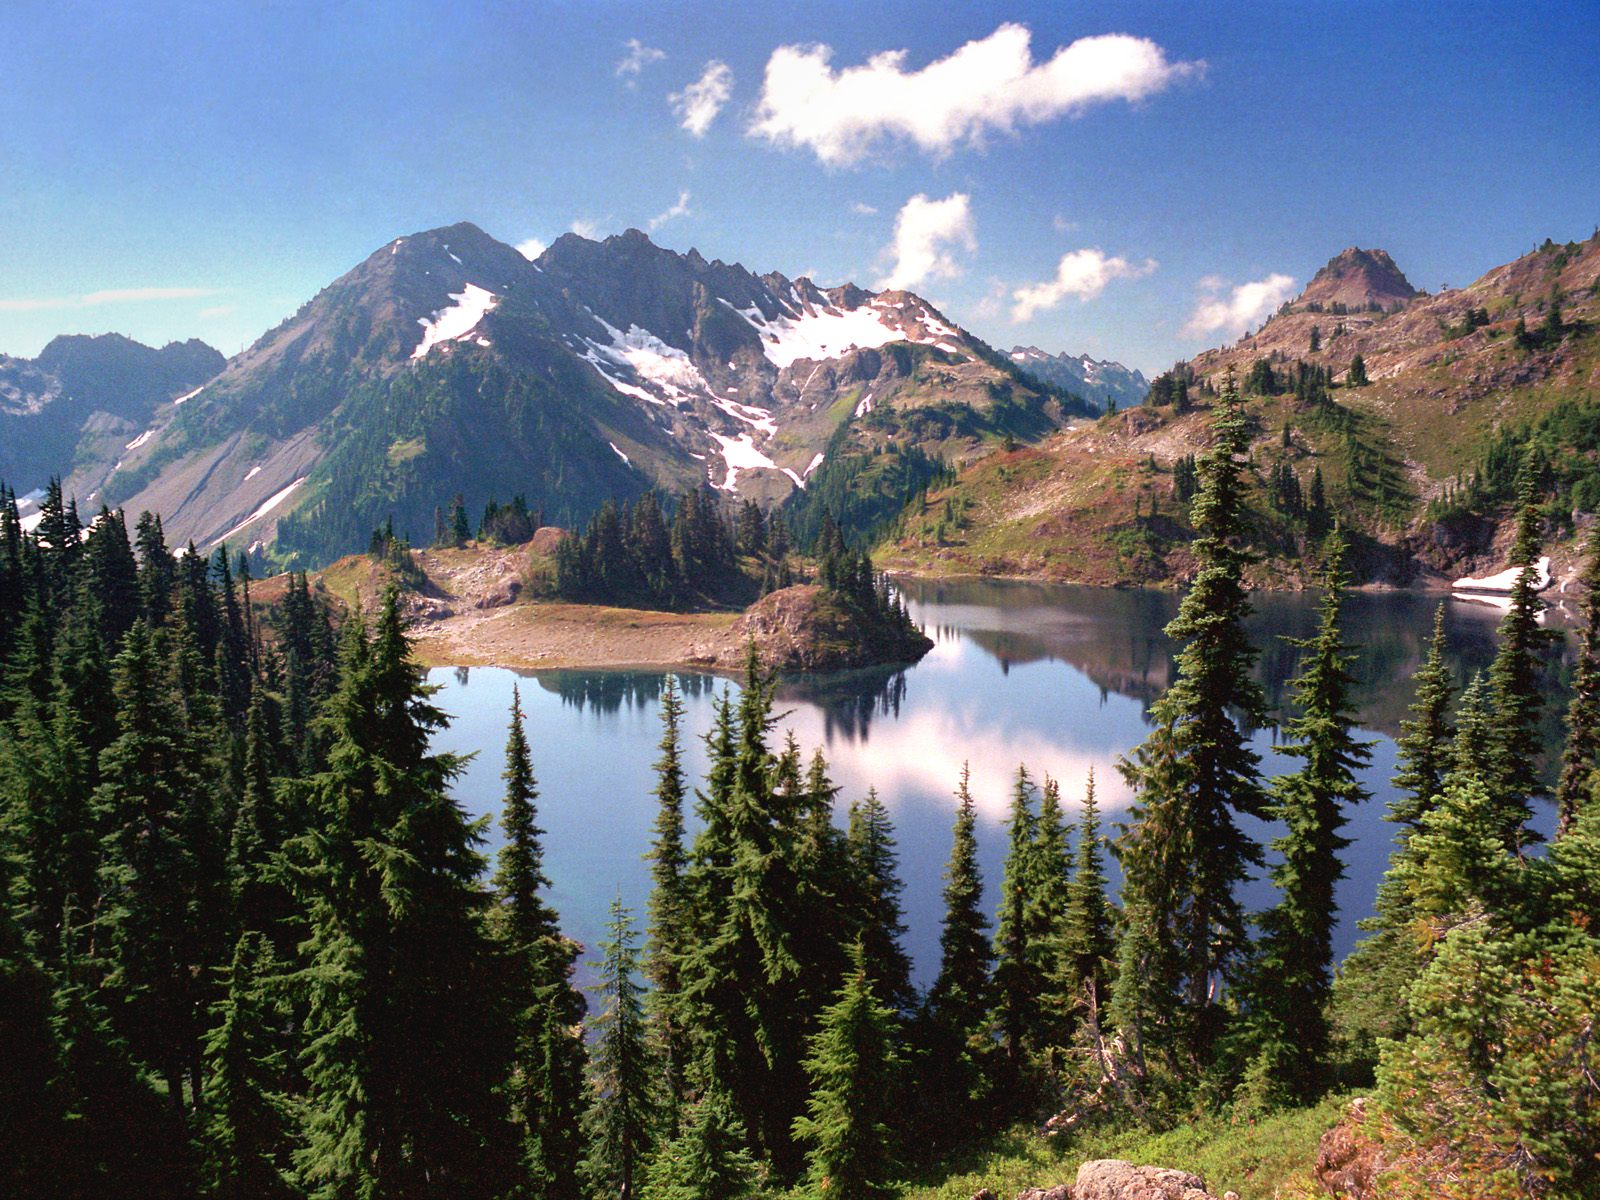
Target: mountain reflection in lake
1059, 678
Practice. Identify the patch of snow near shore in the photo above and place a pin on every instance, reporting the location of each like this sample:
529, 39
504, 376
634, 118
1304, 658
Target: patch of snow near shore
1503, 581
270, 503
472, 304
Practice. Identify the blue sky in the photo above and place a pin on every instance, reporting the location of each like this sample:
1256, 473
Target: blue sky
200, 169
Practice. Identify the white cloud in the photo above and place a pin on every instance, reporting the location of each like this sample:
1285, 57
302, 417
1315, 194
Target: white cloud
1062, 225
217, 310
531, 249
862, 209
1241, 308
924, 232
106, 296
638, 57
985, 85
680, 208
699, 103
1082, 273
584, 227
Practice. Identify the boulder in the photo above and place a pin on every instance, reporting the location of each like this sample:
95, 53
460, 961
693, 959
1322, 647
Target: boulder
1114, 1179
1059, 1192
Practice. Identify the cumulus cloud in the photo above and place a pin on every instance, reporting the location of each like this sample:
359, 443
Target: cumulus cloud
699, 103
1083, 273
531, 249
925, 235
138, 295
586, 228
680, 208
986, 85
1237, 310
638, 57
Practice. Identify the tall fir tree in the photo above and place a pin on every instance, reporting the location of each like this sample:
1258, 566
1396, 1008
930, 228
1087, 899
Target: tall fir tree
1581, 754
246, 1129
547, 1063
1516, 680
1184, 853
852, 1065
1294, 962
405, 1047
876, 868
709, 1159
1087, 944
1016, 979
670, 930
621, 1119
1424, 742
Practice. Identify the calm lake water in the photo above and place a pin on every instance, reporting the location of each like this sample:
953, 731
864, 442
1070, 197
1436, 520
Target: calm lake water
1059, 678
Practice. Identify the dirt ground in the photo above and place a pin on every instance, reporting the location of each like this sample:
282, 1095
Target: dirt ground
540, 635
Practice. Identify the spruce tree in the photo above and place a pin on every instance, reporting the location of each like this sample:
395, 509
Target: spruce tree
709, 1159
1516, 681
1581, 754
1051, 865
1087, 943
1295, 956
1424, 742
852, 1066
405, 1044
959, 996
1016, 977
547, 1063
876, 870
1184, 854
620, 1120
670, 929
246, 1128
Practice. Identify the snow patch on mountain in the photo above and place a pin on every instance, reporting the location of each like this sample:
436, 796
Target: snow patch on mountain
619, 453
819, 333
140, 440
472, 304
648, 357
270, 503
740, 454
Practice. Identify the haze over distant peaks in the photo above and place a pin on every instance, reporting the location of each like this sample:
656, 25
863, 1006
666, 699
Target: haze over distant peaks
1096, 381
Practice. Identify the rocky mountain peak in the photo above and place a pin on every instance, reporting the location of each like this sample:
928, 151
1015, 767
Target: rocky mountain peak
1358, 278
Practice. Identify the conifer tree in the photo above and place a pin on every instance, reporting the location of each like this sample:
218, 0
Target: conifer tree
620, 1120
1424, 742
1516, 681
546, 1070
872, 850
958, 998
709, 1159
852, 1066
670, 929
1047, 906
406, 1048
1582, 752
1087, 943
1184, 853
246, 1127
1295, 957
1016, 981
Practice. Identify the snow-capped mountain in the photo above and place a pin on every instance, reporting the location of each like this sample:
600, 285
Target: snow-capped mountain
448, 363
1096, 381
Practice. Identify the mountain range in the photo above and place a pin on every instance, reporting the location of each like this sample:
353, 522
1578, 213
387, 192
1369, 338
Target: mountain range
449, 364
1103, 384
1411, 411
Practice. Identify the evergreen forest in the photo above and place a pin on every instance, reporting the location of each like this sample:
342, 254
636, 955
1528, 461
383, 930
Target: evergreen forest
252, 946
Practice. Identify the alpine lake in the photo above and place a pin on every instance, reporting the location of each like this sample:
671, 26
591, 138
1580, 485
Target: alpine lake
1055, 677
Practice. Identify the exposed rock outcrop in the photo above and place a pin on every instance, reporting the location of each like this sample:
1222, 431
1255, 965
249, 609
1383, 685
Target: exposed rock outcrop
1114, 1179
805, 628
